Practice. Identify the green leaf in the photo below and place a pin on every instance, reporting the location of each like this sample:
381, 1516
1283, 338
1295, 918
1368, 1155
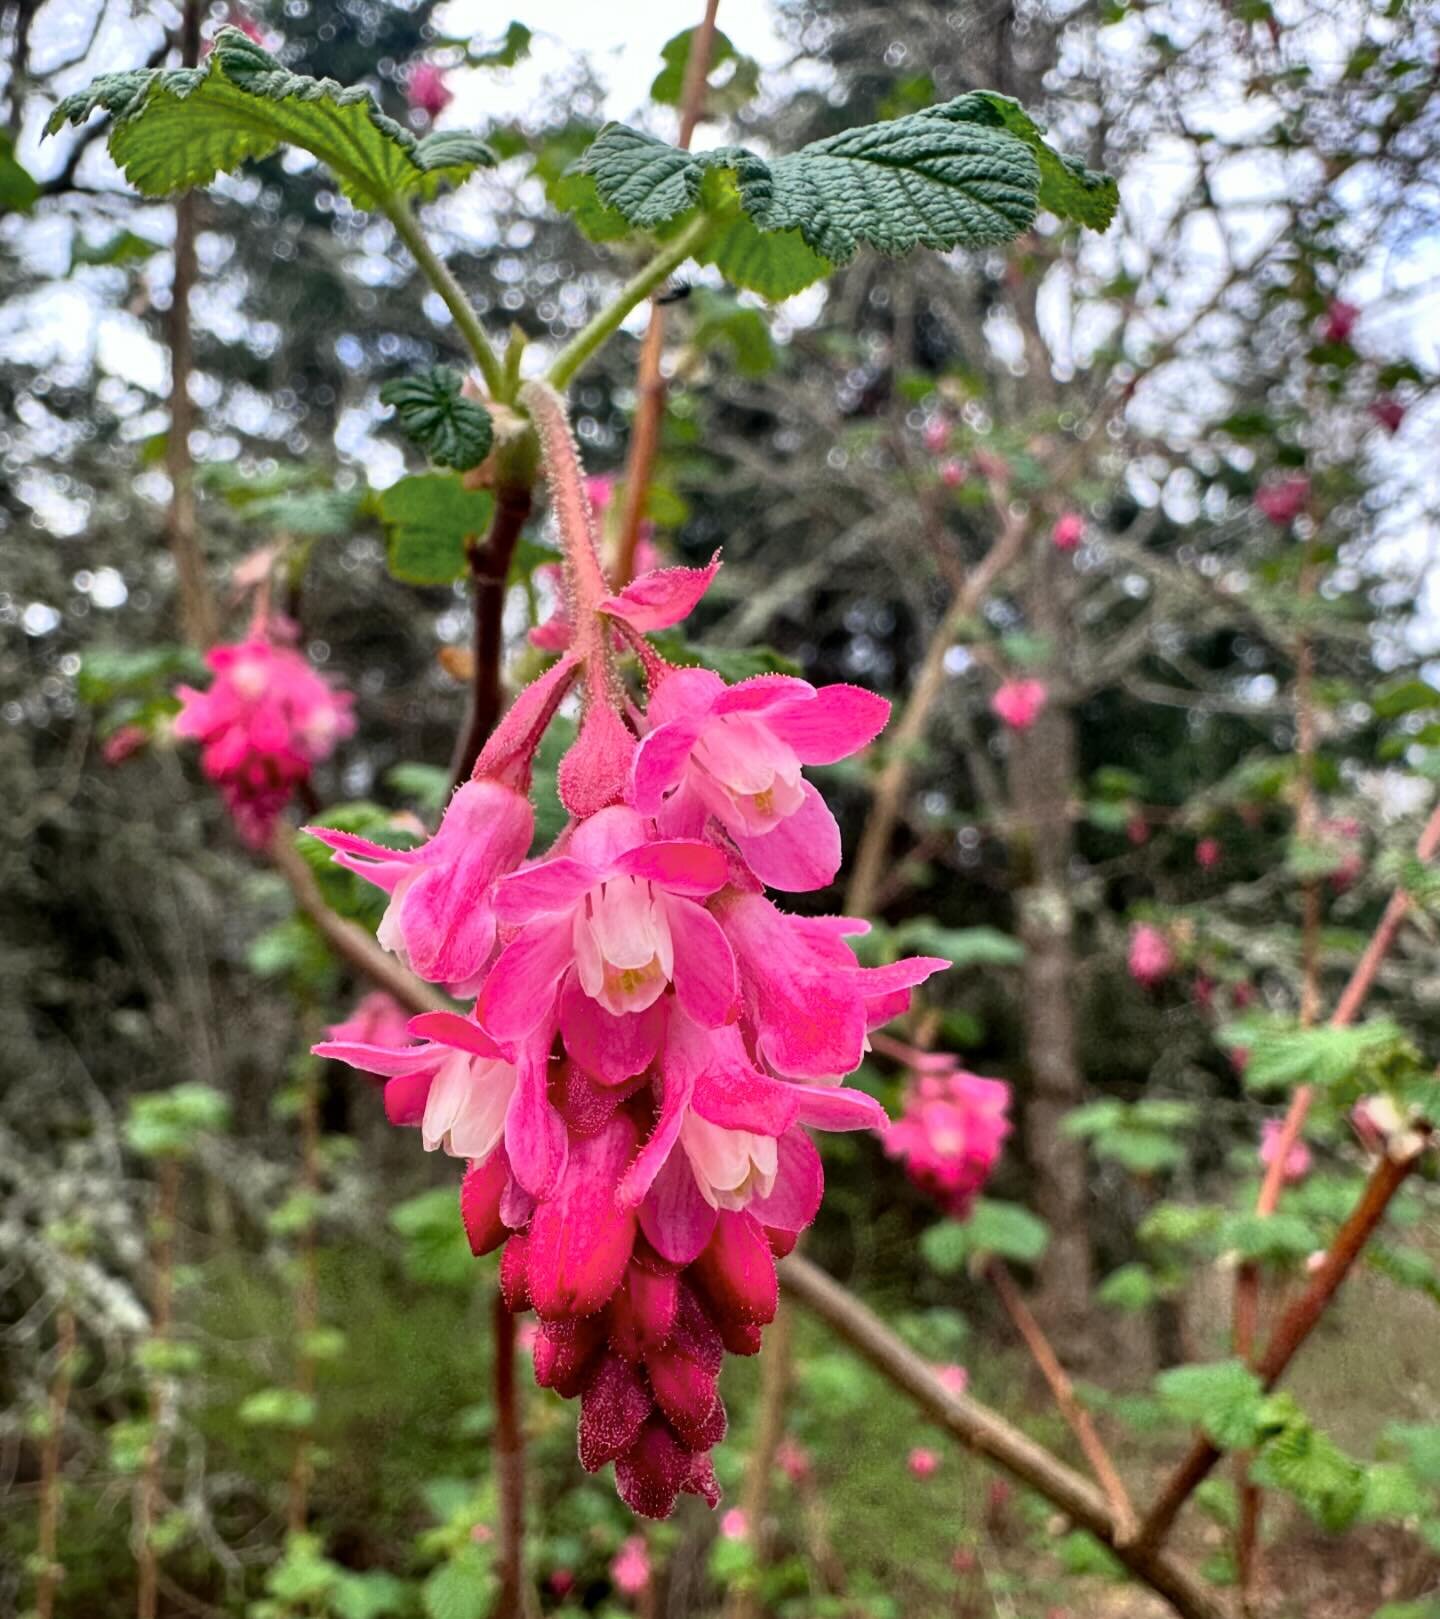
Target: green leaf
962, 947
120, 247
514, 47
724, 94
1081, 1554
463, 1588
732, 664
1132, 1288
452, 430
1283, 1055
166, 1124
19, 190
919, 181
427, 785
278, 1408
1419, 1444
1067, 188
371, 1595
111, 672
1311, 1467
1404, 697
1274, 1237
1224, 1397
776, 264
179, 127
1005, 1230
723, 321
429, 519
436, 1250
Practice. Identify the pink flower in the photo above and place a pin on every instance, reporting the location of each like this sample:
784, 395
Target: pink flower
793, 1460
122, 742
377, 1020
1017, 703
441, 917
1207, 853
1068, 532
1389, 412
950, 1136
1283, 500
561, 1581
734, 1525
265, 721
807, 999
608, 928
600, 492
631, 1568
1297, 1160
427, 91
953, 473
1151, 960
1338, 321
736, 752
922, 1462
953, 1379
936, 434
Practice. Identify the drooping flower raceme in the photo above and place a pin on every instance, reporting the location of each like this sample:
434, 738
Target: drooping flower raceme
950, 1135
263, 724
652, 1040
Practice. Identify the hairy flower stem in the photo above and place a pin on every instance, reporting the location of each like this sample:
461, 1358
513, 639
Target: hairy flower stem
439, 275
50, 1572
148, 1494
635, 291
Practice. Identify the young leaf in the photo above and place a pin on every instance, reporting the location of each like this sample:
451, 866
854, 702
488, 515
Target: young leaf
18, 188
1225, 1398
724, 93
452, 430
179, 127
428, 519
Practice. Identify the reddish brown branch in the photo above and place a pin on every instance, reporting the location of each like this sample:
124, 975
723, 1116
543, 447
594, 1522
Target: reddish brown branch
987, 1434
489, 570
650, 381
509, 1466
1075, 1414
1291, 1332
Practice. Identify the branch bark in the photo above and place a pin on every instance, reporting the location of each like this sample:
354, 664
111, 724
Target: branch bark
987, 1434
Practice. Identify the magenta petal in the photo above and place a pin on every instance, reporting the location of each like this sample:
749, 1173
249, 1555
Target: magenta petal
387, 1060
902, 974
683, 866
520, 990
654, 1471
660, 761
642, 1313
611, 1047
595, 771
737, 1271
684, 694
840, 721
705, 980
761, 693
481, 1193
512, 743
550, 886
735, 1096
837, 1107
612, 1410
565, 1354
676, 1219
451, 1029
535, 1138
662, 597
794, 1200
405, 1097
676, 1087
686, 1392
799, 854
580, 1241
372, 861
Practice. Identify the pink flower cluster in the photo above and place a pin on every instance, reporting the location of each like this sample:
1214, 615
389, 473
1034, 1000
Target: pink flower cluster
1283, 500
652, 1039
1151, 959
950, 1133
266, 720
1017, 703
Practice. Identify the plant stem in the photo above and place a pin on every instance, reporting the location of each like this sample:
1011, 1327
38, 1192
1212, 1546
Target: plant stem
745, 1600
985, 1432
47, 1537
1291, 1332
1075, 1414
438, 273
509, 1465
635, 291
148, 1493
489, 570
650, 380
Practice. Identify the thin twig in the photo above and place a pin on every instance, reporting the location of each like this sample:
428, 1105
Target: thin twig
985, 1432
775, 1369
1061, 1387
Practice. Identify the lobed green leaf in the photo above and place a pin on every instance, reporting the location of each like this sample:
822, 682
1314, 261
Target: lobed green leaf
178, 127
452, 430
